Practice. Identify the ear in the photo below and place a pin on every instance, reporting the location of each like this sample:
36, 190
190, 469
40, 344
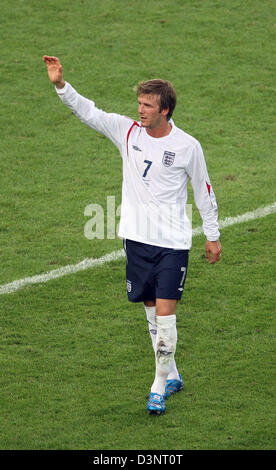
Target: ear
165, 111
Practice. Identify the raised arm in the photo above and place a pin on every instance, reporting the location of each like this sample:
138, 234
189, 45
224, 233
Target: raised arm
54, 68
114, 126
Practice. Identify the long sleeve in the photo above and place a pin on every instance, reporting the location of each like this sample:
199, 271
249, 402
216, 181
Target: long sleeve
203, 193
113, 126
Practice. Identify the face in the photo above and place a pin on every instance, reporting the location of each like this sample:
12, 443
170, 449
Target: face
149, 111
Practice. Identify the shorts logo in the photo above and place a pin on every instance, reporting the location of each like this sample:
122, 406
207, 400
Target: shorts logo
128, 284
168, 158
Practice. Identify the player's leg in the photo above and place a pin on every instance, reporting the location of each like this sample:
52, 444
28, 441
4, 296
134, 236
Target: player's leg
150, 308
170, 273
166, 339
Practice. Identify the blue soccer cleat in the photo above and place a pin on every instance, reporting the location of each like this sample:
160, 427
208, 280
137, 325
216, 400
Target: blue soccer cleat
173, 386
156, 404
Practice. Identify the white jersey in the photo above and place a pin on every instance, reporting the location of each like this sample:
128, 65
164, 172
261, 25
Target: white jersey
156, 172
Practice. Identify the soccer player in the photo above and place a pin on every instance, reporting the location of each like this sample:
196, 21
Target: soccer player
158, 160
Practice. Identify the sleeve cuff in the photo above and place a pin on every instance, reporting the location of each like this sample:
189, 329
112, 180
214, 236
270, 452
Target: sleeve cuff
60, 91
213, 239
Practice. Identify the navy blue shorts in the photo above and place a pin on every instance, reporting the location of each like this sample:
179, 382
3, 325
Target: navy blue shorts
153, 272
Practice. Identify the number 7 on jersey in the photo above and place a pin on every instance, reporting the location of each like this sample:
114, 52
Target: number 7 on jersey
149, 163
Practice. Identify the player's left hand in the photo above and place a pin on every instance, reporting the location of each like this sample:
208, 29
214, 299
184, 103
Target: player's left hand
213, 251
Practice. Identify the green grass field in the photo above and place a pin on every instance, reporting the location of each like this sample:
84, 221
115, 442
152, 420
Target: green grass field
76, 362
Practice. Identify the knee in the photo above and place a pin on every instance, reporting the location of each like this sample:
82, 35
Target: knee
165, 310
165, 307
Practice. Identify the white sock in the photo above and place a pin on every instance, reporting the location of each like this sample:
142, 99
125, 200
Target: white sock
166, 340
151, 314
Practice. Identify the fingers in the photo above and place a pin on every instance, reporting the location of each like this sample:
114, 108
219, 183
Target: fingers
207, 254
51, 60
213, 251
215, 258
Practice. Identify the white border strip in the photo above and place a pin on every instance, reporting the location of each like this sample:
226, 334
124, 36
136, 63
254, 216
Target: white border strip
114, 255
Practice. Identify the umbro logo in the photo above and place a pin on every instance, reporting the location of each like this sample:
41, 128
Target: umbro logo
136, 148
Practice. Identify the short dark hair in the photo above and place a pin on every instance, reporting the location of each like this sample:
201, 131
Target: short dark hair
162, 88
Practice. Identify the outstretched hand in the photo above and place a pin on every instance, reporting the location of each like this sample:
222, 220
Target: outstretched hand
54, 68
213, 251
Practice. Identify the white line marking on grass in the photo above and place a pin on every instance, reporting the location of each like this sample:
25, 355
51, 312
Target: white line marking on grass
114, 255
257, 214
60, 272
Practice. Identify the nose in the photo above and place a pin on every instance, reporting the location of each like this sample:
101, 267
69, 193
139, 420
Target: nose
141, 108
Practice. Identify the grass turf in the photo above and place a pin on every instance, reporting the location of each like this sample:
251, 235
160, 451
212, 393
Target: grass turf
71, 348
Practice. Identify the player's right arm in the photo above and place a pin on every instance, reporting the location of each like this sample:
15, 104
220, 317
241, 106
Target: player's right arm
113, 126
